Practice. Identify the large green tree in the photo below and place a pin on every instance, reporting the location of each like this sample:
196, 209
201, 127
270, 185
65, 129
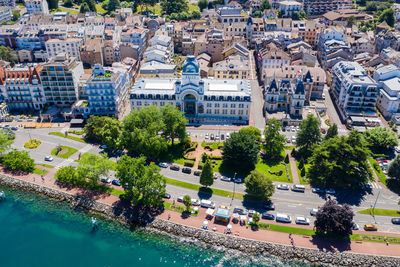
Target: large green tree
143, 184
111, 132
53, 4
388, 16
18, 160
253, 131
113, 5
84, 8
174, 123
207, 176
334, 219
332, 132
68, 174
93, 127
174, 6
140, 133
394, 168
340, 162
93, 167
259, 186
5, 142
265, 5
274, 142
203, 4
309, 133
187, 201
380, 139
8, 54
240, 151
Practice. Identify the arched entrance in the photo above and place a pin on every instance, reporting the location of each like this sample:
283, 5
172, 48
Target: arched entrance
189, 104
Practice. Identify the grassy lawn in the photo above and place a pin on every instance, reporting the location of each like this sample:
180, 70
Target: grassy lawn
212, 145
193, 7
69, 137
309, 232
112, 163
65, 152
196, 187
116, 192
173, 154
273, 165
77, 132
379, 172
302, 180
45, 165
100, 10
384, 212
179, 208
39, 171
64, 9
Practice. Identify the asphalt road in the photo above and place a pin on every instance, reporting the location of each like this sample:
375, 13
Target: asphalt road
289, 202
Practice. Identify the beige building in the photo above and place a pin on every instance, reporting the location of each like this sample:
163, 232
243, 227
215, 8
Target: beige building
71, 46
91, 52
233, 67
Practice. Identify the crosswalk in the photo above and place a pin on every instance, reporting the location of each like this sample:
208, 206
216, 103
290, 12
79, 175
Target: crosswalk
375, 185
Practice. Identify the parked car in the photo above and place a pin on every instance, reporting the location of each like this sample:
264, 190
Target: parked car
251, 213
268, 205
397, 149
197, 173
396, 220
206, 136
370, 227
104, 147
302, 221
14, 128
239, 211
212, 136
174, 168
330, 191
283, 187
217, 137
317, 190
355, 227
166, 195
180, 199
222, 136
268, 216
293, 139
238, 180
105, 180
284, 218
228, 135
204, 203
163, 165
288, 140
116, 182
313, 212
216, 175
195, 202
225, 179
299, 188
48, 158
187, 170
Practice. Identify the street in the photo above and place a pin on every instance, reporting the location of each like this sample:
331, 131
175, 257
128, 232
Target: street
292, 203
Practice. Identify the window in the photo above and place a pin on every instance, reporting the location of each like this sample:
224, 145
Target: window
224, 111
233, 105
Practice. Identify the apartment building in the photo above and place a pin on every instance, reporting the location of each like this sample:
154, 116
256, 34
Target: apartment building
232, 67
91, 52
353, 90
388, 102
136, 37
107, 92
5, 13
10, 3
22, 89
71, 46
318, 7
289, 7
60, 77
40, 6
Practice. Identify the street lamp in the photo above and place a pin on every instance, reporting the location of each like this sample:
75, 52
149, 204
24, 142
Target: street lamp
234, 187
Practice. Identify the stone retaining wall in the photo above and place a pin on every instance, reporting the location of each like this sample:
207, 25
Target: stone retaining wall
208, 238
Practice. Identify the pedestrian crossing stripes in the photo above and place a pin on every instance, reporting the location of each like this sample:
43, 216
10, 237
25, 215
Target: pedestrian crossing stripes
375, 185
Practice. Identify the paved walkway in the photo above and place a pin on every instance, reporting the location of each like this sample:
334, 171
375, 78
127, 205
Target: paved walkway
293, 167
240, 231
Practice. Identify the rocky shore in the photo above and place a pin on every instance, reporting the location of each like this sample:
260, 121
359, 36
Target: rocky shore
206, 238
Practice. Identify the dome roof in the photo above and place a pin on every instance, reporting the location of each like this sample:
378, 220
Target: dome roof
191, 65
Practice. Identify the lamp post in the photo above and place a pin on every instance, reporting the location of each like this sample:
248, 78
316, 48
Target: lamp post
234, 187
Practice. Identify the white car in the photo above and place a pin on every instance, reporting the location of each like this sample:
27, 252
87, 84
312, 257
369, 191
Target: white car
302, 220
283, 187
217, 137
180, 199
293, 139
228, 135
330, 191
48, 158
225, 179
251, 213
163, 165
355, 227
206, 136
195, 202
292, 128
288, 140
106, 180
313, 212
397, 149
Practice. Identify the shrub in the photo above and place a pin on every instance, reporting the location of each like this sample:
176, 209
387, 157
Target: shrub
301, 164
303, 172
380, 156
189, 163
204, 157
287, 159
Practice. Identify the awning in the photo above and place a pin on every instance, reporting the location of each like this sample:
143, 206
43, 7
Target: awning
210, 211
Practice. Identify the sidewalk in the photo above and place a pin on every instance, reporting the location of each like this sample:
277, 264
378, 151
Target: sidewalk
240, 231
293, 167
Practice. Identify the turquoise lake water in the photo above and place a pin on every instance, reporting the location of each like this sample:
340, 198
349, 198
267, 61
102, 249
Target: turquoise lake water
37, 231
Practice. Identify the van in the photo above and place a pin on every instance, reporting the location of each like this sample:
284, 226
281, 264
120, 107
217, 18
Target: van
298, 188
207, 204
284, 218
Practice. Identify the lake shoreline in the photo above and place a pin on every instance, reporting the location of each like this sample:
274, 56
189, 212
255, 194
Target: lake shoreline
209, 239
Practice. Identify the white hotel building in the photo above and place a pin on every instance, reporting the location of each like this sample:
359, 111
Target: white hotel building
204, 101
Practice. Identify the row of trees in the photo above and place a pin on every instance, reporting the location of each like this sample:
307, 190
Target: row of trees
147, 131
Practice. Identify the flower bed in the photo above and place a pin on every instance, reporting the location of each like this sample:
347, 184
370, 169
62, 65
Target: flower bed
32, 143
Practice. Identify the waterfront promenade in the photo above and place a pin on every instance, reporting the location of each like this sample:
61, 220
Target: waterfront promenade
241, 231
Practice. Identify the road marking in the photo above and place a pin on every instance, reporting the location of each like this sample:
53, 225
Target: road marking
375, 185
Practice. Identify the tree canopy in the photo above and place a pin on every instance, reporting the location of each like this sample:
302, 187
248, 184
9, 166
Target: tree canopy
388, 16
111, 132
5, 142
240, 151
8, 54
187, 201
259, 186
53, 4
207, 176
18, 160
394, 168
68, 174
309, 133
203, 4
174, 123
332, 132
334, 219
113, 5
174, 6
274, 142
84, 8
340, 162
142, 184
253, 131
93, 167
380, 139
265, 5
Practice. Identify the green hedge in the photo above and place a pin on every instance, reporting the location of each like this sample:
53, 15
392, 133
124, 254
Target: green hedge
380, 155
189, 163
215, 157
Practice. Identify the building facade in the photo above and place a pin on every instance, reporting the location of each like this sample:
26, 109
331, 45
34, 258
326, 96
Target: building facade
60, 78
353, 90
318, 7
5, 13
33, 6
203, 101
22, 88
71, 46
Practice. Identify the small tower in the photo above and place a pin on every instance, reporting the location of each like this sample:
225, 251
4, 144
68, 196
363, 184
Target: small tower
308, 83
297, 100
